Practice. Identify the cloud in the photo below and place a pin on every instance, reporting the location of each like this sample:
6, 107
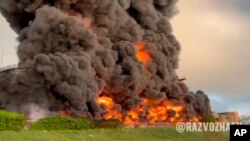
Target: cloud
223, 103
242, 108
7, 44
218, 103
215, 50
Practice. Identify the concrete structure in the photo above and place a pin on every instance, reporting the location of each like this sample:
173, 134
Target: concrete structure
245, 120
15, 69
227, 117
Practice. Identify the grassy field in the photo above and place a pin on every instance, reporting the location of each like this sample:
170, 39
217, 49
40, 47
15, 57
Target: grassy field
146, 134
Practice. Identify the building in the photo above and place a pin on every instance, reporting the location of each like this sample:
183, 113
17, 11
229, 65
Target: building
227, 117
245, 120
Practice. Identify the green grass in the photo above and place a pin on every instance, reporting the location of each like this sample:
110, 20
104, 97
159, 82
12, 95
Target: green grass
11, 121
145, 134
62, 123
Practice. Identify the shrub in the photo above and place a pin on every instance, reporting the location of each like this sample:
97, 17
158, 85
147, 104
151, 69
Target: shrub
11, 121
112, 123
208, 118
62, 123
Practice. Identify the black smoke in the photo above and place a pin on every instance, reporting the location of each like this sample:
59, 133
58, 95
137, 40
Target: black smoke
73, 64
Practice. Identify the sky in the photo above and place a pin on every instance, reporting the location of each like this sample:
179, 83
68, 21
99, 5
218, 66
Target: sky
8, 44
215, 50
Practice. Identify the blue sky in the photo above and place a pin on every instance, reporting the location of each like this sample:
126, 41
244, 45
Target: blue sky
215, 50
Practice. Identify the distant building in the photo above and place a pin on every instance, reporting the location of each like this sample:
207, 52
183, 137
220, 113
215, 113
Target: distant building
245, 120
227, 117
216, 115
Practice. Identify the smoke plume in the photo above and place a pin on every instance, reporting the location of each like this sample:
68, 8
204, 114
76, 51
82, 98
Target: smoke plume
79, 50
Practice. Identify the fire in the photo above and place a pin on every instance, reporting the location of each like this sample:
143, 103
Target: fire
196, 119
109, 105
87, 23
141, 55
145, 113
64, 112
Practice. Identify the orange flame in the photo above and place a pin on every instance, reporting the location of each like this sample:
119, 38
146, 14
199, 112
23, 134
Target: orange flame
64, 112
141, 55
145, 112
196, 119
112, 111
87, 23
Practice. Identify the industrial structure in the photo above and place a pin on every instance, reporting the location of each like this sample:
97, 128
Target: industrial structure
227, 117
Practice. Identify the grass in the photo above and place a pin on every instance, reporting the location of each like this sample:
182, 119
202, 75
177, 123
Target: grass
11, 121
62, 123
145, 134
